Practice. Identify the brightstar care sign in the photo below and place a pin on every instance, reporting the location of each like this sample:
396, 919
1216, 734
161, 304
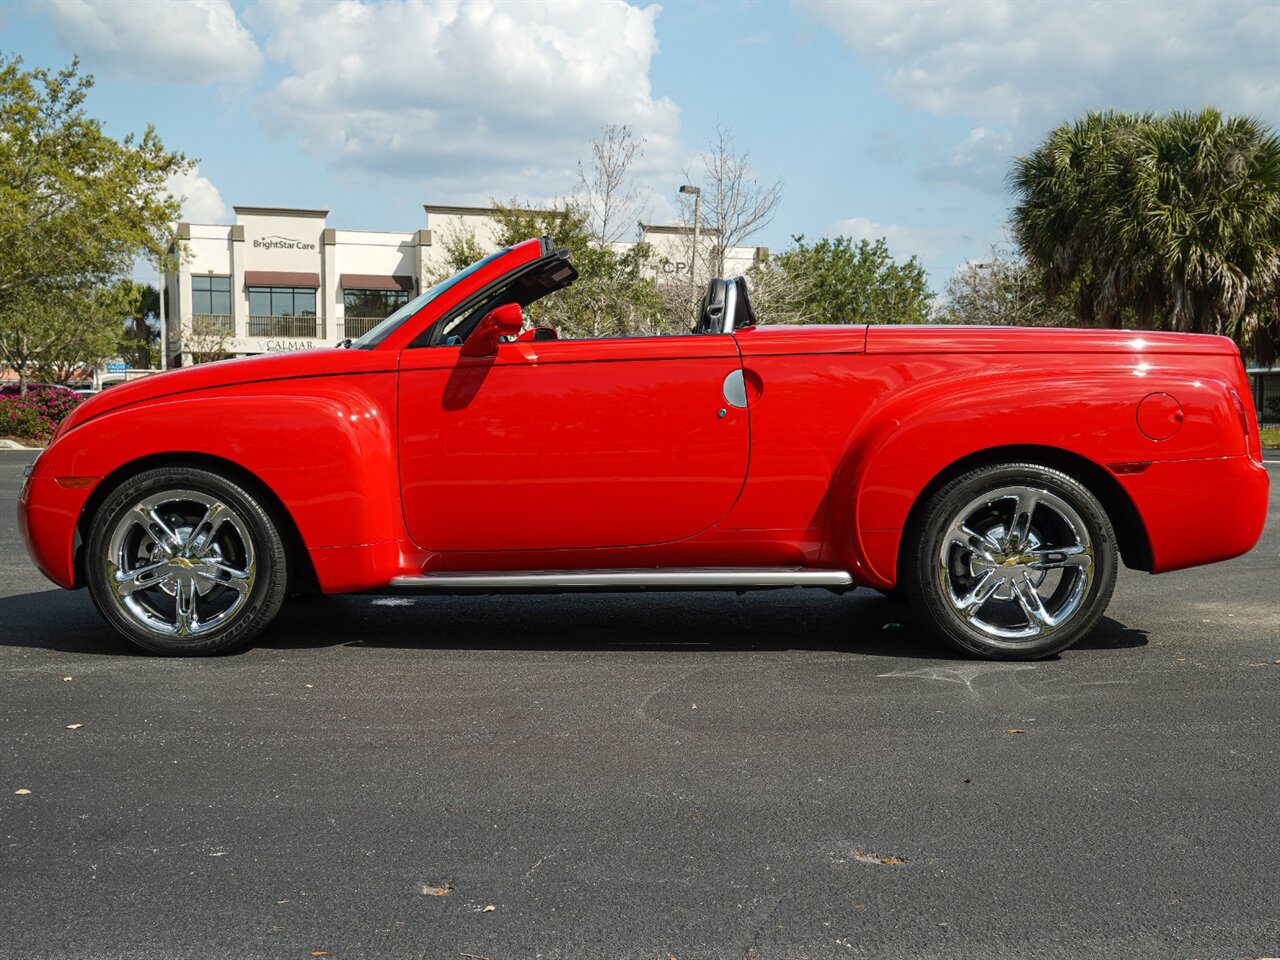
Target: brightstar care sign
282, 243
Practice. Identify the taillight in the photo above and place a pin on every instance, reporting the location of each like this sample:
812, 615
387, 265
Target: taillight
1243, 416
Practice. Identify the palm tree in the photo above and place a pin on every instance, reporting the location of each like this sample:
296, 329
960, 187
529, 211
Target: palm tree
1173, 220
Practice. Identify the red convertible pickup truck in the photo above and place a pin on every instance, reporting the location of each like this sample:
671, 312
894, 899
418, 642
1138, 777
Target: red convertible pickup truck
994, 477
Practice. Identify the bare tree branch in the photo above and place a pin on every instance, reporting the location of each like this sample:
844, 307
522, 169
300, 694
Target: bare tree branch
614, 204
735, 205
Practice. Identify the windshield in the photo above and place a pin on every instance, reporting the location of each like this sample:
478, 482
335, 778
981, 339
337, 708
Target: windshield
382, 330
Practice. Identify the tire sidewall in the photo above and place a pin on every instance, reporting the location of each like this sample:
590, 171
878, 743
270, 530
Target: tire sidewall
269, 586
942, 509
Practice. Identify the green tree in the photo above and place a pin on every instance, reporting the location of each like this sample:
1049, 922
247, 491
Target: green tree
59, 336
461, 250
847, 282
140, 334
77, 208
1002, 290
1173, 221
613, 295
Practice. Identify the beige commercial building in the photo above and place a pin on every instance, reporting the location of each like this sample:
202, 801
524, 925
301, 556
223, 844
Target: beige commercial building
281, 279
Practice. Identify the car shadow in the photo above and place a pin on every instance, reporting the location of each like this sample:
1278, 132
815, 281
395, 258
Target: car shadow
59, 620
861, 622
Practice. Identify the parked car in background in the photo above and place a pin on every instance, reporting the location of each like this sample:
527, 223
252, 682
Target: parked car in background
11, 388
996, 476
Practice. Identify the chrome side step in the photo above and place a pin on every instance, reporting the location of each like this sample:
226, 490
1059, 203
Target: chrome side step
741, 578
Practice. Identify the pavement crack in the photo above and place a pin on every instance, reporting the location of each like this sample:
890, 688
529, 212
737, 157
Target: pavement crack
541, 860
963, 674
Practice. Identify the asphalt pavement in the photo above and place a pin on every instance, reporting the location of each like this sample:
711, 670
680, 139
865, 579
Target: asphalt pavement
782, 775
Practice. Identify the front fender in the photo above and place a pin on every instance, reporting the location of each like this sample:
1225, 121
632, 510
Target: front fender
328, 455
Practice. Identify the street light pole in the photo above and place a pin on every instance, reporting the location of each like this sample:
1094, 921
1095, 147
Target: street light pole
164, 327
697, 218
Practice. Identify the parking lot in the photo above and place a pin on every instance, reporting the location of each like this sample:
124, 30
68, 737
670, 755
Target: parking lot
785, 774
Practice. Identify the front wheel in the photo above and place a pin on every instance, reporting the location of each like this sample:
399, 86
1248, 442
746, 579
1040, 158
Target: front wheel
183, 561
1012, 562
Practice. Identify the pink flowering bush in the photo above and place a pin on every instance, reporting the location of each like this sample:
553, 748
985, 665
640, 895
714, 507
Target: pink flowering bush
37, 415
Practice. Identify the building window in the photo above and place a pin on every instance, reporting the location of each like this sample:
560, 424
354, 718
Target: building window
282, 312
211, 295
365, 309
282, 302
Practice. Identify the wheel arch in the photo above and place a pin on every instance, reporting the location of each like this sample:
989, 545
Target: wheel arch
1130, 531
302, 574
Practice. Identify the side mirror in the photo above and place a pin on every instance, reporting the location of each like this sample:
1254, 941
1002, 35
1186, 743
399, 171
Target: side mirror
503, 321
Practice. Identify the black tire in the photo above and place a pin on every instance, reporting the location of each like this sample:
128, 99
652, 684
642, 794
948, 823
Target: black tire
980, 593
167, 534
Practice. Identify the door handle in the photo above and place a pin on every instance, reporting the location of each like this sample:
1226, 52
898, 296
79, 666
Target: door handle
735, 390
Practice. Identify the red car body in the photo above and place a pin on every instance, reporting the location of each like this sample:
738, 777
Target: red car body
406, 459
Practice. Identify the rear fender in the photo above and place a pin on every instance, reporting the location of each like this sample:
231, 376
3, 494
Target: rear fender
932, 425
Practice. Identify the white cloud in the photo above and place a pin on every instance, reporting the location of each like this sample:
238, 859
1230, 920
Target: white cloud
197, 41
1019, 68
201, 200
980, 159
473, 95
903, 241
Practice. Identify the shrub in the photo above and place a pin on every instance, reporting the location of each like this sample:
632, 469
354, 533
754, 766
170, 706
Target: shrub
37, 415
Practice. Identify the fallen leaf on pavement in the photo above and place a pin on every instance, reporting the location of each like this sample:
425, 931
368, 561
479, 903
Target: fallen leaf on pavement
1015, 730
436, 891
319, 953
488, 908
21, 793
864, 857
74, 726
65, 679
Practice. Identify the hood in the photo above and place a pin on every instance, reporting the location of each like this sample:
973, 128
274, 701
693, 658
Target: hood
324, 362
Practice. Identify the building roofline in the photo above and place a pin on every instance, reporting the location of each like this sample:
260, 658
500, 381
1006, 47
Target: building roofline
401, 233
445, 208
280, 212
676, 229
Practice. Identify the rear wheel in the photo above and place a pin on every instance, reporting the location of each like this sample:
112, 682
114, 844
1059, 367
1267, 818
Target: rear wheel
183, 561
1012, 562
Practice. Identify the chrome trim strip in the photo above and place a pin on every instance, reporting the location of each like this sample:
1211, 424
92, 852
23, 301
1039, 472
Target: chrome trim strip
690, 577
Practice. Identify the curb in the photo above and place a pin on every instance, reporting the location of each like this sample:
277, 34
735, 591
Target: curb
14, 445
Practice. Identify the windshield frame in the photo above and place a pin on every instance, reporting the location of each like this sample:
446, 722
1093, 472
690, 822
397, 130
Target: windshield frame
379, 333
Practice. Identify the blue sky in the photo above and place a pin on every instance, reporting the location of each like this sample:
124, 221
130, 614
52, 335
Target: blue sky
892, 118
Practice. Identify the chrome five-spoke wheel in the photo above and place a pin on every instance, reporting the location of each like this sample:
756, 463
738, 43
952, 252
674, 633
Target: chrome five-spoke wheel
183, 560
1012, 561
1016, 563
